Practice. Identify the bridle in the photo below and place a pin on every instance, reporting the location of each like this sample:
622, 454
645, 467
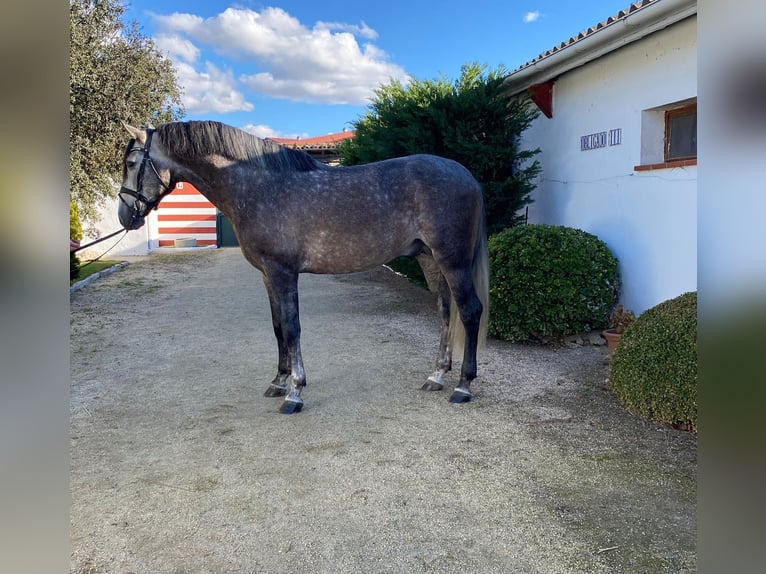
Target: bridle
137, 195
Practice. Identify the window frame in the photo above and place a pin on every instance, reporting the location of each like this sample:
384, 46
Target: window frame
655, 136
670, 115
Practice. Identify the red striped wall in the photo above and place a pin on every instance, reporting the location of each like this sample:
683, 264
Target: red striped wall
186, 213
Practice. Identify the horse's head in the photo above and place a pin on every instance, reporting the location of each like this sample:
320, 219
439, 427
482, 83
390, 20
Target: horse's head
143, 182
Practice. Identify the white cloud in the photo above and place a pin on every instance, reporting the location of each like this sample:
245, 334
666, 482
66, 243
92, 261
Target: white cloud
263, 131
276, 55
364, 30
531, 16
210, 90
177, 48
179, 22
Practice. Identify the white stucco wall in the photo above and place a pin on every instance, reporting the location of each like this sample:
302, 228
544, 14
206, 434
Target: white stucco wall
134, 243
648, 219
147, 238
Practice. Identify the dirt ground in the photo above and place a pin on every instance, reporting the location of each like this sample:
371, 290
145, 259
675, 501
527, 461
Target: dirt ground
179, 464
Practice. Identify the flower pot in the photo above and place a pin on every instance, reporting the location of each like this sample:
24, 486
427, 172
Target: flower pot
185, 242
612, 338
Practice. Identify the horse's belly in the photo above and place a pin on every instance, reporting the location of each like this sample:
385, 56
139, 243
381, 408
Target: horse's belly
351, 254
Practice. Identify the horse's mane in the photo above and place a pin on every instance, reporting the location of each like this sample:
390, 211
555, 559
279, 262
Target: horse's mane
201, 138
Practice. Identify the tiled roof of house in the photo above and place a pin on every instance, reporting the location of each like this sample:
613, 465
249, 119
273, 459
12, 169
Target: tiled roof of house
327, 142
635, 22
622, 14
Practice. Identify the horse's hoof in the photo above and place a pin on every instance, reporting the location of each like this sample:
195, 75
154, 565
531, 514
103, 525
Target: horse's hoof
275, 391
290, 407
460, 396
431, 386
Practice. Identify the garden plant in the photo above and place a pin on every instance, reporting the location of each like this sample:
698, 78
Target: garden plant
547, 282
654, 369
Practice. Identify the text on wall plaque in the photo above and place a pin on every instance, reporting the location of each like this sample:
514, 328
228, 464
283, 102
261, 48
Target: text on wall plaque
601, 139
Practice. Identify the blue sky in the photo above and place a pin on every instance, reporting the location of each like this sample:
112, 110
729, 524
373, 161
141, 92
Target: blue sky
290, 68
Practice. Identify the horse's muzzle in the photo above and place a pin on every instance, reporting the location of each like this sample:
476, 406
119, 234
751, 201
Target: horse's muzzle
135, 223
129, 213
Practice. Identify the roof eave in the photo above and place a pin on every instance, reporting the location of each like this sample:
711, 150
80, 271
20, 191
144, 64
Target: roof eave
630, 28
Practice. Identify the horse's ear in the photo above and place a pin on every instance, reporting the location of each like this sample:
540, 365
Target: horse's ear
136, 133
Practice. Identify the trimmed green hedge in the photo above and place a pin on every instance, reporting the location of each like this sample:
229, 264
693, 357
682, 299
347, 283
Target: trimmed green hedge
654, 368
549, 281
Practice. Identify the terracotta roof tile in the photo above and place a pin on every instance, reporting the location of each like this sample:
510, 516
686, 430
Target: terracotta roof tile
327, 142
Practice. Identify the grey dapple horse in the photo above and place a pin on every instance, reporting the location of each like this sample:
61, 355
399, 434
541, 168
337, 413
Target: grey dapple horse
293, 214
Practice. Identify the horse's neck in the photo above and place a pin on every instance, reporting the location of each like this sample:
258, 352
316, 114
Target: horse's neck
212, 177
201, 173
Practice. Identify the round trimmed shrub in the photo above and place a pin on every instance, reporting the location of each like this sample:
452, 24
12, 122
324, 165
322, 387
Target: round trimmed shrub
654, 368
549, 281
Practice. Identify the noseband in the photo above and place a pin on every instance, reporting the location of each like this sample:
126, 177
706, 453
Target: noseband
137, 195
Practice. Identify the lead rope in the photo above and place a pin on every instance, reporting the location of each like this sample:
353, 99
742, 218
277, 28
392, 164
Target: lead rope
99, 241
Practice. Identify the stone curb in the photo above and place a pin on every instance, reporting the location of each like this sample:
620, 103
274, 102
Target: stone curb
91, 278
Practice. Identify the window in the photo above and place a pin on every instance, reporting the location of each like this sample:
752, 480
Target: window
681, 133
669, 136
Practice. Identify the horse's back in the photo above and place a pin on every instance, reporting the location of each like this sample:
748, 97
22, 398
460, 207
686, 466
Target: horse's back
343, 219
420, 182
430, 172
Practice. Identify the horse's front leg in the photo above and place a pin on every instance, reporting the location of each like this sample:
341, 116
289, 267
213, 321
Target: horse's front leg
282, 286
280, 385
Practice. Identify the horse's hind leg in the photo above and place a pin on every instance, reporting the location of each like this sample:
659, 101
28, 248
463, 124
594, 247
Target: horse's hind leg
470, 309
444, 356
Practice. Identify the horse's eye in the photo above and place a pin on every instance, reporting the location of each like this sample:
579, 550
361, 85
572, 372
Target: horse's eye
130, 162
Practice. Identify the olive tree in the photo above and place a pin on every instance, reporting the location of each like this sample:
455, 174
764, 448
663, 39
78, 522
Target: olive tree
116, 75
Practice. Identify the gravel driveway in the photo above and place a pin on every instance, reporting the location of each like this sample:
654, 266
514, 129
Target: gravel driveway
180, 465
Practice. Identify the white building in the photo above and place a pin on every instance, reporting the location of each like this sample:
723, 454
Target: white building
618, 142
183, 214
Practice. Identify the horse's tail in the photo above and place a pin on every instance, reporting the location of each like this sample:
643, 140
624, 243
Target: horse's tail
481, 281
480, 270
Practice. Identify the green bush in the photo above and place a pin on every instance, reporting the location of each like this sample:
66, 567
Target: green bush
75, 232
654, 368
75, 227
74, 267
470, 120
549, 281
410, 268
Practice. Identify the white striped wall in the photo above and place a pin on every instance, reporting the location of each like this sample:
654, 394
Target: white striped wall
186, 213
